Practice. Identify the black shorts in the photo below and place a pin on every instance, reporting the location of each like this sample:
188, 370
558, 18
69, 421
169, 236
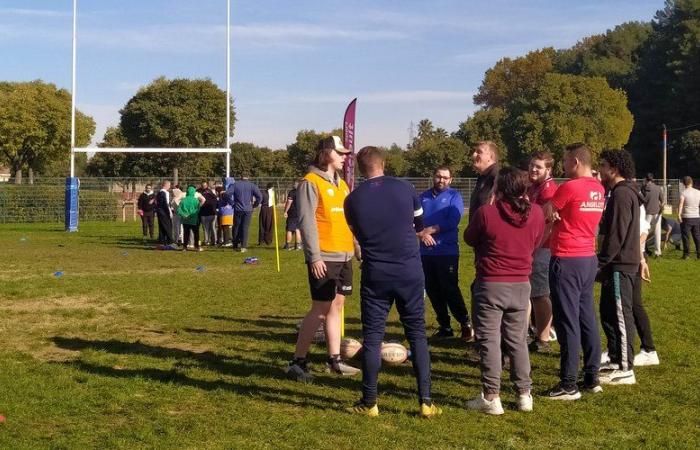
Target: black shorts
338, 280
292, 224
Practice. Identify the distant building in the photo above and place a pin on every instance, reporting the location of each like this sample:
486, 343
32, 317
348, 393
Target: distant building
4, 174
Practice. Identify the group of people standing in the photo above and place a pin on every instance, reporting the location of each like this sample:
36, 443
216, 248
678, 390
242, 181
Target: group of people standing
223, 213
539, 248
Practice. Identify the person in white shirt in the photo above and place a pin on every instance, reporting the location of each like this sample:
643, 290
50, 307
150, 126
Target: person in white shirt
689, 217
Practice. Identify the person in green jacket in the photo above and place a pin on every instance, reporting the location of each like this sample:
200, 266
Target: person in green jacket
188, 210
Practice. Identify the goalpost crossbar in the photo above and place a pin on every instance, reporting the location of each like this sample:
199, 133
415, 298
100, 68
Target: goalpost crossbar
149, 150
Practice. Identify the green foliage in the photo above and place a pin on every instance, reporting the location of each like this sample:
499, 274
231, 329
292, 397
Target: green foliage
258, 161
35, 125
513, 79
613, 55
41, 203
566, 109
667, 90
396, 163
685, 155
434, 147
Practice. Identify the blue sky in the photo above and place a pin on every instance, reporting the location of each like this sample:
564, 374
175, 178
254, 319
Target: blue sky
297, 63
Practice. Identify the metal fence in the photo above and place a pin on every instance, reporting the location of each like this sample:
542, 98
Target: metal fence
109, 199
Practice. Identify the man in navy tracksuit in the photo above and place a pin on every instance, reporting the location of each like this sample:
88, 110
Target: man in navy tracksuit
443, 208
246, 197
384, 214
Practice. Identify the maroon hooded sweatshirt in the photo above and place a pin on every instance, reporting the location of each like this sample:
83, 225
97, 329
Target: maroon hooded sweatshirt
504, 241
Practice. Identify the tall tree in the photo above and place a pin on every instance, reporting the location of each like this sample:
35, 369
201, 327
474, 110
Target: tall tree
513, 79
565, 109
35, 125
613, 55
667, 90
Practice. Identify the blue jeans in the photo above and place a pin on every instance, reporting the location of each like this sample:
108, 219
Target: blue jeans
376, 300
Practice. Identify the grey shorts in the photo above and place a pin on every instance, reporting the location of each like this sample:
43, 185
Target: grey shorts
539, 278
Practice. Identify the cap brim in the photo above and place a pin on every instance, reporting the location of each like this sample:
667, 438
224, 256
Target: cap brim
343, 150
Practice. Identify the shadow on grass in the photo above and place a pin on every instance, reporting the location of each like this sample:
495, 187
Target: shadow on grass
261, 322
270, 394
256, 335
226, 365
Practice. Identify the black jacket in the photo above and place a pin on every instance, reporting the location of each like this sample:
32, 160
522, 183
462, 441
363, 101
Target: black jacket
483, 190
620, 250
145, 204
210, 203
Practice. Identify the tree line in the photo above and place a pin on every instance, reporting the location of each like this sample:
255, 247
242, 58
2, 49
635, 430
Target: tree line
611, 90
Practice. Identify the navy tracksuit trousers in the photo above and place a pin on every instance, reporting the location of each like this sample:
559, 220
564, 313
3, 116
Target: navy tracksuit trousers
571, 288
376, 300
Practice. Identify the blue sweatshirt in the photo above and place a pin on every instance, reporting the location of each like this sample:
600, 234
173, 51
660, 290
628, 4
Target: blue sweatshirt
444, 210
246, 196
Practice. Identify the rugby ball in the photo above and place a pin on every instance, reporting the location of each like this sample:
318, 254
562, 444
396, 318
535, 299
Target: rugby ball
349, 348
394, 353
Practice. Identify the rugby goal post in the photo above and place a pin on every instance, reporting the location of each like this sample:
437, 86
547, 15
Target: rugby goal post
72, 182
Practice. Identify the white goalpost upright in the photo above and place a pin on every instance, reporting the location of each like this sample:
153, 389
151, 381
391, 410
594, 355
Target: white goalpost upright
72, 182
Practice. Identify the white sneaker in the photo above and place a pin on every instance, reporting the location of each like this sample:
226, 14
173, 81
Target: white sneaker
618, 377
489, 407
552, 335
604, 358
644, 358
525, 402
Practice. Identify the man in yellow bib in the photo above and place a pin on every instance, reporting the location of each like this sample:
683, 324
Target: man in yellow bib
328, 249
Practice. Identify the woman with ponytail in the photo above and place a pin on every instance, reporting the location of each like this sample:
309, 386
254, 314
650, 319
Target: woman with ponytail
504, 235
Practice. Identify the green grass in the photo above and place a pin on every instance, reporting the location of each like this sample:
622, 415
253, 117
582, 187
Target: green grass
134, 348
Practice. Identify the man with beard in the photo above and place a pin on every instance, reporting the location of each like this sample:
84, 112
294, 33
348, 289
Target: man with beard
541, 191
443, 208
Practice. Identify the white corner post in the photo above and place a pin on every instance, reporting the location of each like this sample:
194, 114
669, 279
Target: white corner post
72, 92
228, 88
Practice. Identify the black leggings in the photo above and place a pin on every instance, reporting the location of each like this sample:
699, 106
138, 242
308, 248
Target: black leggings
186, 235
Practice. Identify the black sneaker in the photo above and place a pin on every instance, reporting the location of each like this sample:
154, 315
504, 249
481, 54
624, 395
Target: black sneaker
467, 334
443, 333
561, 392
538, 346
298, 370
593, 387
336, 365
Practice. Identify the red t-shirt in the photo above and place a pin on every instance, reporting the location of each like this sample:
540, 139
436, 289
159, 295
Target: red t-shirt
540, 194
580, 204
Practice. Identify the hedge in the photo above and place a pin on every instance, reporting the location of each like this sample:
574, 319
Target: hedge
36, 203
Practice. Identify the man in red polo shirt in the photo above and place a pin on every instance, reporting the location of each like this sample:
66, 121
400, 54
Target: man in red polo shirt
576, 209
541, 192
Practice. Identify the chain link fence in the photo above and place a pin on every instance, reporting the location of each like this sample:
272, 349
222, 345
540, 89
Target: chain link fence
110, 199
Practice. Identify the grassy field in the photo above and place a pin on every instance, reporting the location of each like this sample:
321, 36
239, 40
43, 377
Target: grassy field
134, 348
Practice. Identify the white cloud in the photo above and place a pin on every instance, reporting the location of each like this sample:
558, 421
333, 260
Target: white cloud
34, 12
